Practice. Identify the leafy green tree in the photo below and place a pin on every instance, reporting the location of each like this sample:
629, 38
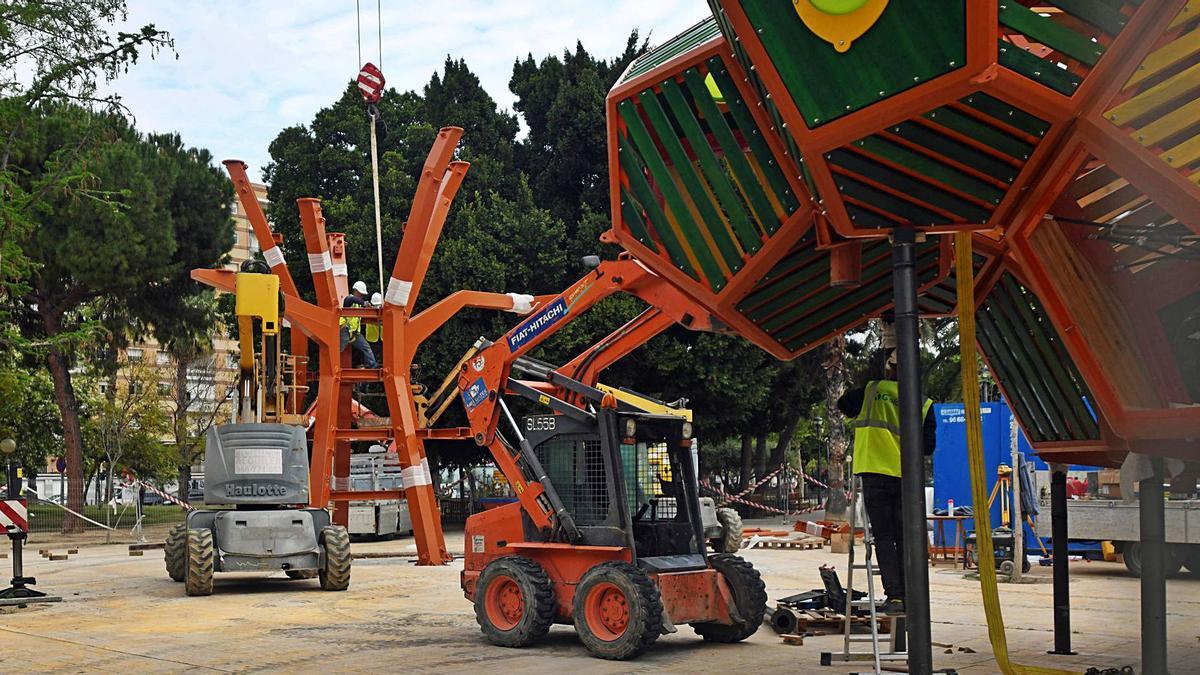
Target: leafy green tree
565, 152
28, 414
125, 245
55, 53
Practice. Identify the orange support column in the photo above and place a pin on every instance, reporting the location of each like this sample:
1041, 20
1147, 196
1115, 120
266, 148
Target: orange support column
439, 183
328, 453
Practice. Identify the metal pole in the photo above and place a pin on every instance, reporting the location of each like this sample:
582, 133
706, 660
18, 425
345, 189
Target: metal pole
1154, 581
14, 492
1062, 589
1018, 517
912, 456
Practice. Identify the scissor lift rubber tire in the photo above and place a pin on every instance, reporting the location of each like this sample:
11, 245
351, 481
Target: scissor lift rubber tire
200, 555
175, 552
335, 575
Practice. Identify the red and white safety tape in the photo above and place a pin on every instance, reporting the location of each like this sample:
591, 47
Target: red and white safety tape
736, 499
169, 497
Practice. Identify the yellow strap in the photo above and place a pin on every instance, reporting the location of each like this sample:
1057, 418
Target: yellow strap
983, 527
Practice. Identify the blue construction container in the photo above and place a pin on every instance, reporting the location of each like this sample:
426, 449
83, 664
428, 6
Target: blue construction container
951, 473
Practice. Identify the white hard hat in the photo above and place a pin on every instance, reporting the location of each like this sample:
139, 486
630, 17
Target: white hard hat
360, 287
377, 299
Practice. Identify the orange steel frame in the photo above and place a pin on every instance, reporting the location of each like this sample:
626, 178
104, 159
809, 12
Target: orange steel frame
403, 333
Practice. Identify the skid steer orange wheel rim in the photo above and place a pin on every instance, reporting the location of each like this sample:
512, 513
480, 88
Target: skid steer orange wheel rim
607, 611
505, 603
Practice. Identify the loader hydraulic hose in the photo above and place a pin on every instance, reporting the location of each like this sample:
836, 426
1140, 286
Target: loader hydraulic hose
561, 515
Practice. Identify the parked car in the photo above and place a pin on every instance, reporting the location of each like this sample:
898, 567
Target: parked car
152, 499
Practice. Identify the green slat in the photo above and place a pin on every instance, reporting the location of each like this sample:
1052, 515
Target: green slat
717, 180
998, 356
865, 218
882, 200
1039, 70
710, 220
666, 185
934, 169
633, 218
968, 211
685, 41
861, 303
876, 271
759, 204
1056, 36
790, 290
750, 131
1098, 14
1006, 113
633, 168
798, 256
912, 42
769, 286
1078, 415
956, 151
870, 299
1033, 369
1060, 351
974, 129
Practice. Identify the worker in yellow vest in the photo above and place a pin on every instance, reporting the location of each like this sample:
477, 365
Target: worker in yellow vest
875, 412
350, 327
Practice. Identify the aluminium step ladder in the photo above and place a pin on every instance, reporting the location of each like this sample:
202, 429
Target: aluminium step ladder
885, 648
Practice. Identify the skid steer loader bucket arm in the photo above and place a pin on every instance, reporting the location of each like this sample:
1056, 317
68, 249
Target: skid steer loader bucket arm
486, 378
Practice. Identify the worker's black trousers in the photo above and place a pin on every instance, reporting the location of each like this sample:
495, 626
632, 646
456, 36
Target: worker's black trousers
882, 496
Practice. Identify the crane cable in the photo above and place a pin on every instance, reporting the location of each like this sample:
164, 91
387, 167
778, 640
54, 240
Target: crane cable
965, 273
373, 115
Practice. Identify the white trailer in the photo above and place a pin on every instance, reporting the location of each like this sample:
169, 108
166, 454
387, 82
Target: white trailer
1117, 521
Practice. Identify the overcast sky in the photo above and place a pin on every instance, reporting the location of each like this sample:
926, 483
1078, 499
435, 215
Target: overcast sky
248, 68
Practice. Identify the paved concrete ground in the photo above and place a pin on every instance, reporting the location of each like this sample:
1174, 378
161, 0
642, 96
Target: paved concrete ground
122, 614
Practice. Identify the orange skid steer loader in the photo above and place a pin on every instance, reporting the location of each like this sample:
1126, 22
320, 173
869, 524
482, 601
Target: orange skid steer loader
607, 533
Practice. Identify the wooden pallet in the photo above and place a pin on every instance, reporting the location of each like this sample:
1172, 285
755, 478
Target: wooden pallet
811, 621
148, 546
803, 544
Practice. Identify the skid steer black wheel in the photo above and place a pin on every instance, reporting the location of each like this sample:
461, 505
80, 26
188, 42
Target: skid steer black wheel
199, 579
749, 594
335, 575
514, 602
302, 574
175, 552
618, 611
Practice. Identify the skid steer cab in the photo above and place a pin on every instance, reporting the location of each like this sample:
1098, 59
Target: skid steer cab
624, 557
261, 470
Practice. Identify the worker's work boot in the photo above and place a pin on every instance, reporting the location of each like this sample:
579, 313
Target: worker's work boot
894, 607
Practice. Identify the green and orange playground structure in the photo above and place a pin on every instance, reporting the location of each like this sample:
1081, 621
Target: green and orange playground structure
762, 160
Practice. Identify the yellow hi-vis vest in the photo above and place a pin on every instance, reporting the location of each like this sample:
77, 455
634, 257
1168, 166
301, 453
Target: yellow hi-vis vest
373, 331
354, 323
877, 429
